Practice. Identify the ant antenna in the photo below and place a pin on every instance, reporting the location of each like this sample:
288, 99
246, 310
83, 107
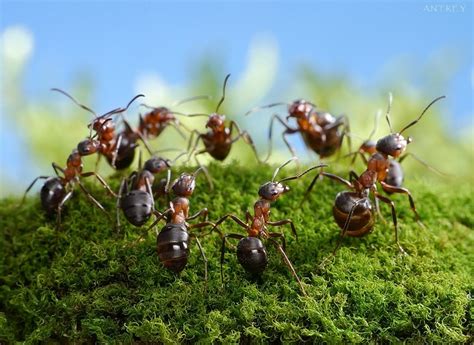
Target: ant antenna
424, 111
303, 173
277, 170
376, 124
196, 115
190, 99
389, 108
74, 100
265, 107
121, 110
223, 92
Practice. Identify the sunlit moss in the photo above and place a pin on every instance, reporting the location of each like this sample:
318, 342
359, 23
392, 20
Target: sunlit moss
87, 283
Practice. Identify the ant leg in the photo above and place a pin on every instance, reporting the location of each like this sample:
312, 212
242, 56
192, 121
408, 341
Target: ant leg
270, 133
234, 218
93, 200
204, 169
392, 189
331, 176
99, 156
248, 216
284, 222
342, 234
123, 185
190, 143
180, 132
236, 236
289, 265
204, 258
56, 168
245, 136
280, 236
31, 186
353, 176
204, 212
101, 180
159, 216
379, 213
115, 153
292, 150
60, 206
394, 218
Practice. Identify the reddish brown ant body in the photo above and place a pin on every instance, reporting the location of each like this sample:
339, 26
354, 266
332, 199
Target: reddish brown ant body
320, 130
118, 149
173, 239
57, 190
251, 252
353, 210
218, 140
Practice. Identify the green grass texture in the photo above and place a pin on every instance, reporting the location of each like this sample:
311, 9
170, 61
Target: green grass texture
87, 283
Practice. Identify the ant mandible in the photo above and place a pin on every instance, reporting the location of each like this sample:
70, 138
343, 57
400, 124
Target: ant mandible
56, 191
119, 149
173, 239
251, 252
218, 140
320, 130
352, 210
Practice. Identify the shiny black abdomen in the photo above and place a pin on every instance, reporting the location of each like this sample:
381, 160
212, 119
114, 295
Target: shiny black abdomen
252, 255
395, 174
52, 193
362, 220
137, 207
172, 246
125, 153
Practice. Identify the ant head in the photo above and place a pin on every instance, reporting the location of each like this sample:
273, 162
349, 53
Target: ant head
392, 145
215, 121
156, 165
184, 185
272, 190
100, 124
163, 113
88, 147
300, 109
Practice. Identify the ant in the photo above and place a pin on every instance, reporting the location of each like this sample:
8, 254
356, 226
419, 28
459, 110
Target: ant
218, 140
251, 252
352, 210
57, 190
395, 174
119, 149
320, 130
136, 193
173, 239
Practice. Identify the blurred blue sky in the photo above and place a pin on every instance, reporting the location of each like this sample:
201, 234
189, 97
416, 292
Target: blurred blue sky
117, 41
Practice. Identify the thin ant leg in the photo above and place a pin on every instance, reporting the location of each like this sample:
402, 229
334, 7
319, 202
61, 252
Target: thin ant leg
59, 209
248, 216
204, 258
234, 218
204, 212
92, 199
115, 153
342, 234
56, 168
176, 127
190, 143
280, 236
101, 180
394, 218
123, 185
159, 217
236, 236
99, 157
392, 189
288, 264
288, 130
331, 176
205, 171
31, 186
284, 222
245, 136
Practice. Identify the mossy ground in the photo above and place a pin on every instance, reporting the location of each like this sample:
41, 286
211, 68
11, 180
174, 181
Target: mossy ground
87, 283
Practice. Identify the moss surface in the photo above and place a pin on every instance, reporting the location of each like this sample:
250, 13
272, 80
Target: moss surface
86, 283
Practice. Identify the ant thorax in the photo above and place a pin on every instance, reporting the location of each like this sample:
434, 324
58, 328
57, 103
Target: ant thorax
379, 164
367, 180
141, 180
180, 210
392, 145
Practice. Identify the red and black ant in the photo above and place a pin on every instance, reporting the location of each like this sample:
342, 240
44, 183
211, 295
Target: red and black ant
320, 130
251, 252
353, 210
137, 194
173, 239
218, 140
395, 174
57, 190
119, 149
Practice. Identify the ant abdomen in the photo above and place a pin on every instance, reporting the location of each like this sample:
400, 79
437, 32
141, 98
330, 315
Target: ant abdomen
252, 255
172, 246
52, 192
395, 174
137, 207
125, 154
362, 219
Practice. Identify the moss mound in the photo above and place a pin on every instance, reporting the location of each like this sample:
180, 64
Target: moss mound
87, 283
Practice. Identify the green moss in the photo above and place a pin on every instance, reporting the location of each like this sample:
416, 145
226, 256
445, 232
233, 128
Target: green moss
87, 283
